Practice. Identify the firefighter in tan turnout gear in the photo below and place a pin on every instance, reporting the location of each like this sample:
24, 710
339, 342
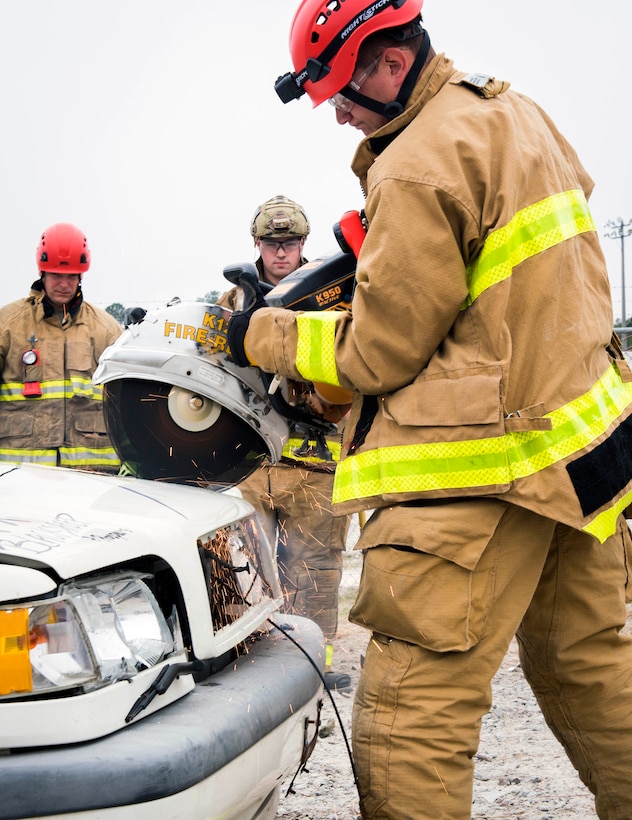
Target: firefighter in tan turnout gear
293, 497
491, 426
50, 343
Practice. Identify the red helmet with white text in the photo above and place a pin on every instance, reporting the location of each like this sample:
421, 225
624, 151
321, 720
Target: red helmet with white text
325, 38
63, 248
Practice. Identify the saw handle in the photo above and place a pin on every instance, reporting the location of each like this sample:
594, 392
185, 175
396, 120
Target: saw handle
290, 411
246, 277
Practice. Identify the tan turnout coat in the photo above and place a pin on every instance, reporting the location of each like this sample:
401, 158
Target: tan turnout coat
470, 166
69, 413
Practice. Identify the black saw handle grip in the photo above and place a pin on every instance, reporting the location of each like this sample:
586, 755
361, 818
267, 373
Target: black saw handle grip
246, 277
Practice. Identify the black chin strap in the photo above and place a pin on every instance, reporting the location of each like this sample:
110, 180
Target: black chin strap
393, 109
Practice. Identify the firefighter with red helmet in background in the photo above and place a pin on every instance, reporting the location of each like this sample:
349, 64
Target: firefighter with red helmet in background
293, 498
50, 344
491, 425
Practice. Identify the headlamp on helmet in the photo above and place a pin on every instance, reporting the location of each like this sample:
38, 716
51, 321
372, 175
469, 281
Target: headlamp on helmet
325, 37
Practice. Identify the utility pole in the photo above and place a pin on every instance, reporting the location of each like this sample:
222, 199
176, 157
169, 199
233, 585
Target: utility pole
620, 230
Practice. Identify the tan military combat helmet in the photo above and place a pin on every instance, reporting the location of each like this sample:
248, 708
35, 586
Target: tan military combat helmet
280, 218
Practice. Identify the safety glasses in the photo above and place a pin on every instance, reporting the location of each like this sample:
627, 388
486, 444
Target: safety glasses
287, 245
339, 101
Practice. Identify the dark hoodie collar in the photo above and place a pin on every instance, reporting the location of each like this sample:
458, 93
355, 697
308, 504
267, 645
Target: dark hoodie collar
49, 307
259, 267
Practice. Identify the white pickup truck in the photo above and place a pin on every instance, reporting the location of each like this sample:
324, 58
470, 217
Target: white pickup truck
145, 670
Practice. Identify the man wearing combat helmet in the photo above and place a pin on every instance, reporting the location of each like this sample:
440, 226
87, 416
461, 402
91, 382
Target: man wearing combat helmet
293, 497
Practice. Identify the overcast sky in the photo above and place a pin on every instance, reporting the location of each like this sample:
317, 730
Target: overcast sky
154, 126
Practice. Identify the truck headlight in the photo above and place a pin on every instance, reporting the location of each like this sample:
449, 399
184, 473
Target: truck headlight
95, 632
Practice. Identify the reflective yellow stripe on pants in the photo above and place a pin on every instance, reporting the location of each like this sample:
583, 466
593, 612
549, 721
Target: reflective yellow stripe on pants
292, 444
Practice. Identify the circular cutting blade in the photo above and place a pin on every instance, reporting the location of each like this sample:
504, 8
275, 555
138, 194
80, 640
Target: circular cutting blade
192, 411
169, 433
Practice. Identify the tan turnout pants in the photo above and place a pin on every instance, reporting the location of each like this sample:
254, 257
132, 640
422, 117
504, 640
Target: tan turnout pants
443, 611
294, 507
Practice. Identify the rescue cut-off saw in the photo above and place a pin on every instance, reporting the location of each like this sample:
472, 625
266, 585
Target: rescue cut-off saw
178, 409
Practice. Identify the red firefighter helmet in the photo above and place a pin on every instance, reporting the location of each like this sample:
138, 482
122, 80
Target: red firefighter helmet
325, 37
63, 248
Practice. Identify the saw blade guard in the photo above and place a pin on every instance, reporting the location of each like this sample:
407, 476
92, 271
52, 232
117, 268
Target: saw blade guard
176, 408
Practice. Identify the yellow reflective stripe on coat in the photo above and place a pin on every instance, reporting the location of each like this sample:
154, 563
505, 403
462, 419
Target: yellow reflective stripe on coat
88, 457
92, 457
421, 468
605, 524
294, 443
534, 229
54, 389
315, 359
48, 457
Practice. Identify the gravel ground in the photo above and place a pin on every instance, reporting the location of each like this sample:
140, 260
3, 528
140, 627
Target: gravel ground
521, 770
